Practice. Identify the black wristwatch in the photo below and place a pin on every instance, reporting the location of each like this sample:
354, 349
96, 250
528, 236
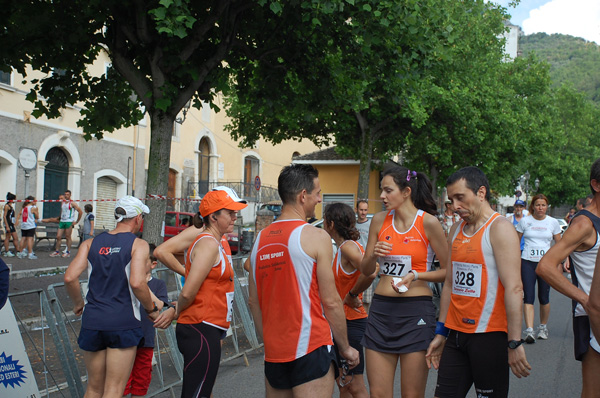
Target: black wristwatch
152, 310
512, 344
352, 294
166, 305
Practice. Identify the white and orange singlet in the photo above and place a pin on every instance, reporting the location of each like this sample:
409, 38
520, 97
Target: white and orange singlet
345, 281
477, 300
288, 293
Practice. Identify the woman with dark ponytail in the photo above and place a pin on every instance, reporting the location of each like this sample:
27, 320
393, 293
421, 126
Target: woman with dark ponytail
403, 240
340, 223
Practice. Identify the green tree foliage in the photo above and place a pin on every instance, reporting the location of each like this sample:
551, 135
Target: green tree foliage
164, 53
572, 60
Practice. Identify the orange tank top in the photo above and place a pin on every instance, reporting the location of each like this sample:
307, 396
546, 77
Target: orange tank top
344, 281
288, 293
213, 303
477, 300
410, 249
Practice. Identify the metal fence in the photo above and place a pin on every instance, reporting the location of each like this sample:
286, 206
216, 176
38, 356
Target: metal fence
51, 338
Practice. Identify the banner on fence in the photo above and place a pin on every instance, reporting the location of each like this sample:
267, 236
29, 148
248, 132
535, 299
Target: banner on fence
16, 377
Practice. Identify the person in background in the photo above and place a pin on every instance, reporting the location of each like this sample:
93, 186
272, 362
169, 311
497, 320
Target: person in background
28, 216
141, 374
580, 204
449, 217
517, 216
70, 214
339, 222
363, 223
570, 215
539, 230
588, 200
9, 226
88, 222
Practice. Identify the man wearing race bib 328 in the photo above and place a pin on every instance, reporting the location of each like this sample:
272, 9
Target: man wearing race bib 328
478, 336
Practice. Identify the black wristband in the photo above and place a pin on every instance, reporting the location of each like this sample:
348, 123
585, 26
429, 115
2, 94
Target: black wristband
152, 310
352, 294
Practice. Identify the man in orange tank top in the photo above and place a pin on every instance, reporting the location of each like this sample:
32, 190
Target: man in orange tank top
293, 297
479, 334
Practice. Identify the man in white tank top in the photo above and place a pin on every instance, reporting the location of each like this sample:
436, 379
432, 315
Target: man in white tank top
581, 242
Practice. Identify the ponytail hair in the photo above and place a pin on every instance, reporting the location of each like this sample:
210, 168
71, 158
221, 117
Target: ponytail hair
344, 220
197, 221
421, 190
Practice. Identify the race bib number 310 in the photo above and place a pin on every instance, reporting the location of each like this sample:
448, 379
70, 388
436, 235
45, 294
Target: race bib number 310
395, 265
466, 279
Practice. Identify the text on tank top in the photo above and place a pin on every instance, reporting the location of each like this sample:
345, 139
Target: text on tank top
110, 302
288, 293
345, 281
213, 303
410, 249
477, 298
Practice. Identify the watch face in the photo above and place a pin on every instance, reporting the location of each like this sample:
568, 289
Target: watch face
513, 344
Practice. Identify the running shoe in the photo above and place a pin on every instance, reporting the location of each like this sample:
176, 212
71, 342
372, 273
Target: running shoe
32, 256
24, 251
529, 338
21, 254
55, 254
66, 254
542, 332
9, 254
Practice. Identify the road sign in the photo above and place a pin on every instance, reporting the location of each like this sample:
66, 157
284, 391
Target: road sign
257, 183
518, 194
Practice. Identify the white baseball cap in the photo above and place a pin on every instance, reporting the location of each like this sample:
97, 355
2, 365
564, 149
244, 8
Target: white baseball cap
231, 192
132, 206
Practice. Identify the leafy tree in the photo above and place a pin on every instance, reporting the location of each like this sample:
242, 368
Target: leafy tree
164, 53
425, 79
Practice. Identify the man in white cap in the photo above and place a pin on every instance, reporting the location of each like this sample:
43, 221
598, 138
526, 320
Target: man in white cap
111, 321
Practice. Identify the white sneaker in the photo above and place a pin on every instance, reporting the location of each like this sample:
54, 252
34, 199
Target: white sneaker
24, 251
542, 332
32, 256
529, 338
22, 254
9, 254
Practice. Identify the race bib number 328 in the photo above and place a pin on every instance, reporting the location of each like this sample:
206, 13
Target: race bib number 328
395, 265
466, 279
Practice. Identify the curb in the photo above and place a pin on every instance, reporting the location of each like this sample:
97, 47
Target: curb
37, 272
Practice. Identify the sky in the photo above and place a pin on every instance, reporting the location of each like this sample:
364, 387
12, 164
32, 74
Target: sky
580, 18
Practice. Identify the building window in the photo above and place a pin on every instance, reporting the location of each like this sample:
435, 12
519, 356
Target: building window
5, 77
251, 171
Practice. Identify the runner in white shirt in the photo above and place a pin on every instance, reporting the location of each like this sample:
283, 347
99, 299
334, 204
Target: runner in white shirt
538, 230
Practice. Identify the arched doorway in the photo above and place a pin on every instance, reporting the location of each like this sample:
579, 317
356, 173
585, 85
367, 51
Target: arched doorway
55, 180
203, 166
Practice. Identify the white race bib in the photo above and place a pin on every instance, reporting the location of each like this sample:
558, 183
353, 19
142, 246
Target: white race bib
395, 265
466, 279
535, 253
229, 306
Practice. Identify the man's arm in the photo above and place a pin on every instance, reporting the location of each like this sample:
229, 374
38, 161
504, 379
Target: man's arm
505, 244
577, 236
138, 276
79, 212
92, 223
74, 270
316, 243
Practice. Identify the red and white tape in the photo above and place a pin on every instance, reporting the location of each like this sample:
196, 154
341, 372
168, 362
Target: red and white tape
150, 197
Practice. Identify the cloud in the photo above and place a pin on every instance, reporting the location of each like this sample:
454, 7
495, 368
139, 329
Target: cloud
579, 18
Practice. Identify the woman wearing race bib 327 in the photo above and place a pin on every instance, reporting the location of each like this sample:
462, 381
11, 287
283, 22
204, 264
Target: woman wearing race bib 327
401, 321
538, 230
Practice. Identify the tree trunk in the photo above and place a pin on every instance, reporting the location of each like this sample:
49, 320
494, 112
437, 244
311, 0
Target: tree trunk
365, 158
158, 175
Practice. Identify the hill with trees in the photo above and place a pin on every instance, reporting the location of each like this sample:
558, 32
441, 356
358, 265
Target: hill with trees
572, 60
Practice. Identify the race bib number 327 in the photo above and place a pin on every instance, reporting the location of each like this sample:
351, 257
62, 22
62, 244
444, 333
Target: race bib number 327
395, 265
466, 279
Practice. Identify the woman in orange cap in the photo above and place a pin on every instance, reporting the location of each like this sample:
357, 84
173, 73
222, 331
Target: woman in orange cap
205, 305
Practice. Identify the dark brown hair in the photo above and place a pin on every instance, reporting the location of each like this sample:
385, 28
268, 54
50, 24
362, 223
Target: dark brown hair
343, 218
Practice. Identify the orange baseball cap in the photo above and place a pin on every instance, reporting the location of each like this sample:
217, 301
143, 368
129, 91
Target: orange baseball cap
216, 200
